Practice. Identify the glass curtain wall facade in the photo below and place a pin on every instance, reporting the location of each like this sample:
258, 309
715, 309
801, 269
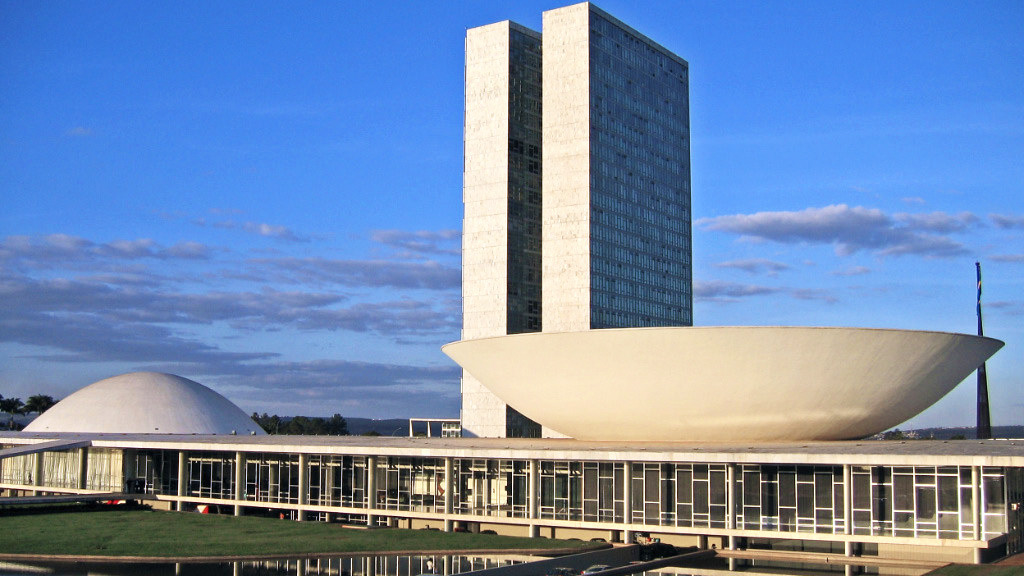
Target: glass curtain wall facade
337, 481
524, 183
905, 503
640, 272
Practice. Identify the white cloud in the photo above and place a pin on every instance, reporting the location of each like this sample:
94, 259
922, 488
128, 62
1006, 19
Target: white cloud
55, 250
1008, 258
420, 242
853, 271
1007, 221
852, 229
257, 228
755, 265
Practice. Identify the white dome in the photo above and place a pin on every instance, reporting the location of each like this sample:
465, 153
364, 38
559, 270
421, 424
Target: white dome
145, 403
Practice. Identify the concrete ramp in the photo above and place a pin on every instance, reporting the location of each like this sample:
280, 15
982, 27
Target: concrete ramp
54, 445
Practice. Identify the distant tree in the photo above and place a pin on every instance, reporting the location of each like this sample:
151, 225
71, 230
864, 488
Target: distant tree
302, 425
12, 405
958, 437
370, 433
299, 425
39, 403
337, 426
894, 435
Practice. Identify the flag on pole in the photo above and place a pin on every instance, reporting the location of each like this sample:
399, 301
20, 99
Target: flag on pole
983, 429
978, 266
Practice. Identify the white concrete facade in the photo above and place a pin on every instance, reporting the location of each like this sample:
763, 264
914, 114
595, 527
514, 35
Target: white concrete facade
496, 236
616, 176
485, 224
566, 231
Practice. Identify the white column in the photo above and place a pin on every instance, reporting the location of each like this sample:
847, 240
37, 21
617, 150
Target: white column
848, 507
627, 503
182, 477
533, 497
37, 470
239, 481
449, 495
371, 489
303, 486
730, 503
976, 516
83, 468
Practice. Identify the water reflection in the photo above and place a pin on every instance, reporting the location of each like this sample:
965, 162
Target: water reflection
720, 566
440, 564
424, 565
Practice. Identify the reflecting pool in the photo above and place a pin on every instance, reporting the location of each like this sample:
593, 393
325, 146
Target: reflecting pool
383, 565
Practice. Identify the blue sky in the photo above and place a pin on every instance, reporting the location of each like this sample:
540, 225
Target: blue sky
266, 197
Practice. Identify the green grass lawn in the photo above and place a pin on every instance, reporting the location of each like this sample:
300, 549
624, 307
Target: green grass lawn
144, 532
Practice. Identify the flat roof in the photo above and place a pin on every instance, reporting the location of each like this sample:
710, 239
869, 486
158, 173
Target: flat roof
861, 452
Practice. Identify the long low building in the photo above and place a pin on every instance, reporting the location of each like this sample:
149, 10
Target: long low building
954, 500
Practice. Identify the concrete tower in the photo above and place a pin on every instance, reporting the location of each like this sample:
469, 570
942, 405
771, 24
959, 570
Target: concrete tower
577, 218
501, 236
616, 232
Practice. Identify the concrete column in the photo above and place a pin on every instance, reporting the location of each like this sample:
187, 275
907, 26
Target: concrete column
627, 502
848, 507
83, 468
239, 481
371, 489
533, 497
37, 470
449, 493
730, 502
303, 486
182, 477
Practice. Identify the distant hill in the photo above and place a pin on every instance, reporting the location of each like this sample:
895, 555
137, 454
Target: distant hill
963, 431
389, 427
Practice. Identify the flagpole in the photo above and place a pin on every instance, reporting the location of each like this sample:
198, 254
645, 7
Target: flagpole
984, 424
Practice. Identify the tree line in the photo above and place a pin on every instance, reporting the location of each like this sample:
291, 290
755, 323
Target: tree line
38, 403
302, 425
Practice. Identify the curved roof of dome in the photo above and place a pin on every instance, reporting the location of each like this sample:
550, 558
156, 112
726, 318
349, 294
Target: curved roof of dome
145, 403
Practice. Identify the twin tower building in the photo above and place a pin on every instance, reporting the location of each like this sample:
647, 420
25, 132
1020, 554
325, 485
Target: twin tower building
576, 188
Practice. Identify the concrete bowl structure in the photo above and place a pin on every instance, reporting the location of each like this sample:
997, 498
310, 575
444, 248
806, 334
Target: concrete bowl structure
722, 383
145, 403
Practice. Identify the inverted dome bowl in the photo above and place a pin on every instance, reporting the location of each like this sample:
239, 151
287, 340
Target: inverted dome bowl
761, 383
